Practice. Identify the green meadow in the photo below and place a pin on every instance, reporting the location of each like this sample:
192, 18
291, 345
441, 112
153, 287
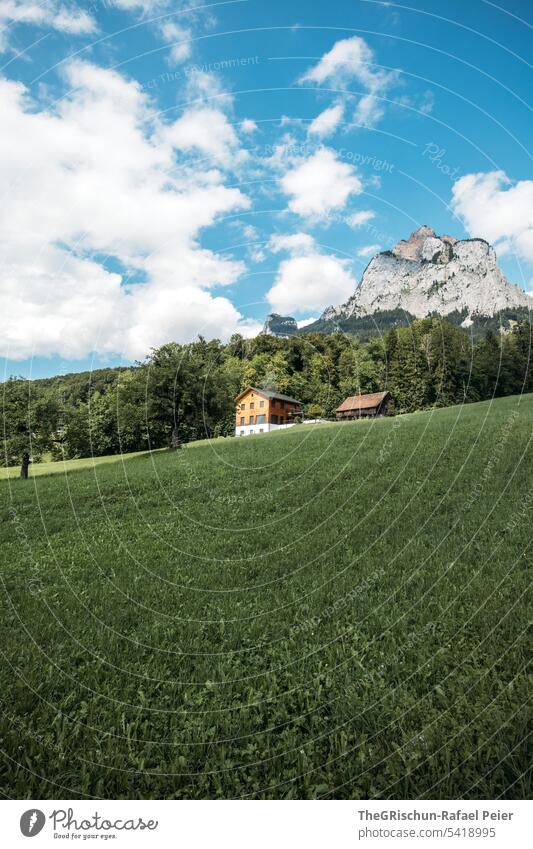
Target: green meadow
63, 466
338, 611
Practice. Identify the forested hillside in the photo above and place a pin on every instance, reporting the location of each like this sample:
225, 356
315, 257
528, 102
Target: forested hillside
185, 392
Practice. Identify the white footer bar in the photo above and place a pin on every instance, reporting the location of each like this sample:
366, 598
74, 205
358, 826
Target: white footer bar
267, 825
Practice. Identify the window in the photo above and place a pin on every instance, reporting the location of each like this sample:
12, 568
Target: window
261, 430
243, 406
261, 403
282, 404
252, 405
242, 420
274, 419
251, 419
261, 419
281, 420
242, 433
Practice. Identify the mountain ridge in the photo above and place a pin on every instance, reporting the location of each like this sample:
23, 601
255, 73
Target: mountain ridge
429, 274
279, 325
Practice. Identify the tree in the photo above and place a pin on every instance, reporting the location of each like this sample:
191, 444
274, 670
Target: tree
29, 424
449, 355
489, 371
408, 377
187, 392
315, 411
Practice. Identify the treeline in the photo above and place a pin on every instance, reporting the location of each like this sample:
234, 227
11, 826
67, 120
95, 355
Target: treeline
186, 392
365, 327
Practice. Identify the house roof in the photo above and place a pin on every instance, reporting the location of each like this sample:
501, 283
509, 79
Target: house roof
362, 402
266, 393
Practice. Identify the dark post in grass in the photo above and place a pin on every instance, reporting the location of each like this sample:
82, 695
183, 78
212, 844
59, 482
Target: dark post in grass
175, 440
25, 465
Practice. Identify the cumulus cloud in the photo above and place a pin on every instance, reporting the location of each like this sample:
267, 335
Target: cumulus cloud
495, 208
294, 243
368, 250
357, 219
100, 193
308, 279
319, 184
327, 122
248, 126
179, 39
352, 60
208, 131
202, 86
142, 5
369, 111
68, 18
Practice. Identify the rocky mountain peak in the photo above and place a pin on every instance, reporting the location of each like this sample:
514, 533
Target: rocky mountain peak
279, 325
427, 273
425, 245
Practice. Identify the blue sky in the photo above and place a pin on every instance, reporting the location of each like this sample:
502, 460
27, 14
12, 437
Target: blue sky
172, 168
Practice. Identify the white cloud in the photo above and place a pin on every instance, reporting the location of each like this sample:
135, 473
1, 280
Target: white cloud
368, 250
427, 103
143, 5
310, 283
208, 131
357, 219
180, 40
97, 177
349, 60
306, 321
255, 247
257, 255
248, 126
53, 14
319, 184
202, 86
295, 243
308, 280
492, 207
327, 122
369, 111
250, 232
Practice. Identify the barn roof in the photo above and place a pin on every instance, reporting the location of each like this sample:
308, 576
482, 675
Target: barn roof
266, 393
362, 402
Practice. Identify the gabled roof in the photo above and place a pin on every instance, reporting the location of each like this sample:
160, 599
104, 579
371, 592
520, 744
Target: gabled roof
362, 402
266, 393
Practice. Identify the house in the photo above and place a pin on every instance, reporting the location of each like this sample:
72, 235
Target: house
363, 406
261, 411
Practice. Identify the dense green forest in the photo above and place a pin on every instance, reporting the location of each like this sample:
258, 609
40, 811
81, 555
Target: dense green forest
186, 392
365, 327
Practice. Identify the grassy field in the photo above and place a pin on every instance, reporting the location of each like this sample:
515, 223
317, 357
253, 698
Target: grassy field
337, 611
63, 466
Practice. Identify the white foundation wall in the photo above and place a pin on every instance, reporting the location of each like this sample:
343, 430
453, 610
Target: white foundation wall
248, 430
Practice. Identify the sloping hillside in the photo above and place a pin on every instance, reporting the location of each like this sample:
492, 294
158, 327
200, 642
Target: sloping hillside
331, 611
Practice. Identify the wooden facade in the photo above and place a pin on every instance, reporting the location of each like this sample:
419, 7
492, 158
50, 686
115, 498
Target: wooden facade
363, 406
260, 411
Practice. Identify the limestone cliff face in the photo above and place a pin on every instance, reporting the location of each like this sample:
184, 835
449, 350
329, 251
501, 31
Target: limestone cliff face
279, 325
433, 274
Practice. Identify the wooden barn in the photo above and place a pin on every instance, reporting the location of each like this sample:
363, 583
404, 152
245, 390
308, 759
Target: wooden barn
363, 406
